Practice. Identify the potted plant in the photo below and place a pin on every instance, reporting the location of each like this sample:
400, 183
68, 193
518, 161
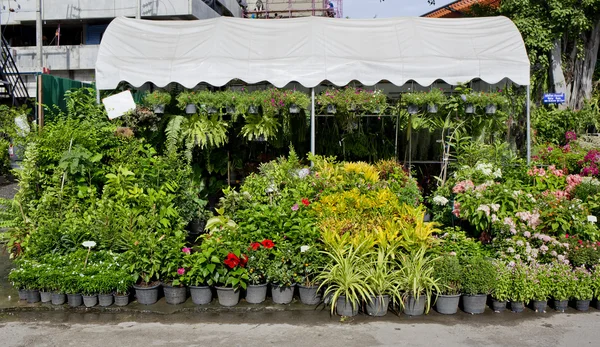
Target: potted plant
542, 287
281, 271
187, 101
208, 101
327, 101
144, 260
474, 100
71, 285
417, 281
312, 261
583, 291
449, 274
296, 101
230, 277
345, 278
105, 281
493, 101
413, 101
502, 287
434, 99
58, 295
522, 288
200, 270
596, 285
17, 278
381, 277
89, 289
158, 100
172, 272
478, 282
123, 283
45, 281
563, 285
259, 260
374, 102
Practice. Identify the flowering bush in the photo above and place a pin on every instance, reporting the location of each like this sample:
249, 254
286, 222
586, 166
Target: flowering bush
583, 284
523, 287
542, 282
564, 282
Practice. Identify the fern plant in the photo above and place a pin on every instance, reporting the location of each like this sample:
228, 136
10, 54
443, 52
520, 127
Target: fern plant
257, 126
198, 130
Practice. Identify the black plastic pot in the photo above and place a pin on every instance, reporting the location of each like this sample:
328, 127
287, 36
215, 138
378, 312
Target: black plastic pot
498, 306
582, 305
310, 295
256, 293
46, 296
90, 300
191, 109
105, 300
517, 307
159, 109
346, 308
74, 300
33, 296
282, 294
561, 305
447, 304
378, 305
121, 300
474, 304
413, 109
146, 295
540, 306
58, 298
175, 295
414, 306
201, 295
227, 296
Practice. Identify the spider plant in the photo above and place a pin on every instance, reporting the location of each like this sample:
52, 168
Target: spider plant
416, 276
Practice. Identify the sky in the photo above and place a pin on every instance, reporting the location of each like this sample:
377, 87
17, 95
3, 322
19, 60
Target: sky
389, 8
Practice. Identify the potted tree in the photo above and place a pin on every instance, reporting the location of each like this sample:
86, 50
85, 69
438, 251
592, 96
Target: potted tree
158, 100
522, 287
542, 287
144, 259
563, 285
478, 282
417, 281
345, 278
259, 260
187, 101
449, 274
583, 291
502, 287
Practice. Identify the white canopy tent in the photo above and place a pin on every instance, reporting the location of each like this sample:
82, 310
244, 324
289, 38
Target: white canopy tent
312, 50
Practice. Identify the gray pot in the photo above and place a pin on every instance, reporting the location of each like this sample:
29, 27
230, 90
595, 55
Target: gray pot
490, 109
22, 294
175, 295
498, 306
90, 300
230, 110
561, 305
474, 304
447, 304
540, 306
294, 109
201, 295
74, 300
227, 296
146, 295
253, 110
469, 109
432, 108
331, 109
159, 109
378, 305
414, 306
33, 296
597, 304
256, 293
121, 300
105, 300
344, 307
413, 109
46, 296
190, 109
211, 110
310, 295
282, 294
517, 307
58, 298
582, 305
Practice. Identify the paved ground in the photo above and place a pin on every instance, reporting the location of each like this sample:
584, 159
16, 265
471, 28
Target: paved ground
96, 330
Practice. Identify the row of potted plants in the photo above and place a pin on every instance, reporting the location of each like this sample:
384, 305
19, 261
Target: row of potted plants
431, 101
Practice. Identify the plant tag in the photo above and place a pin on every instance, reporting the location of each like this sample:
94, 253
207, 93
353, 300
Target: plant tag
89, 244
304, 248
119, 104
592, 219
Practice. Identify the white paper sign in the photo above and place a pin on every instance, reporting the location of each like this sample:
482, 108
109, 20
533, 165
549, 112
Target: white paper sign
119, 104
592, 219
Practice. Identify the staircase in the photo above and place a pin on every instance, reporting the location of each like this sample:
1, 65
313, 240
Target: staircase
12, 87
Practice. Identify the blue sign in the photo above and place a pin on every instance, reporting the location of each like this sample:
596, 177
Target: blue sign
554, 98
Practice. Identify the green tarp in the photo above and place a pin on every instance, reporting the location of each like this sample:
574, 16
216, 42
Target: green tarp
54, 89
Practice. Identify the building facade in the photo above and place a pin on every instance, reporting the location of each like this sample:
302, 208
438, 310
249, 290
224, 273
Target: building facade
72, 29
459, 8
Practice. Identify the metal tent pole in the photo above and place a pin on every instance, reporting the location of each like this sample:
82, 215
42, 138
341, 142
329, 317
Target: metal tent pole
312, 122
97, 94
528, 124
396, 140
38, 35
138, 9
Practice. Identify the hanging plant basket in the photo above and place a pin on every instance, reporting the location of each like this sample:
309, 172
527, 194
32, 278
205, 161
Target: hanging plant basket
211, 110
159, 109
253, 109
490, 109
294, 109
260, 138
432, 108
469, 109
230, 110
352, 108
331, 109
413, 109
190, 109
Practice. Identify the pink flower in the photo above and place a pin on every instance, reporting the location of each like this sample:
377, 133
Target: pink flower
295, 207
456, 210
180, 271
186, 250
463, 186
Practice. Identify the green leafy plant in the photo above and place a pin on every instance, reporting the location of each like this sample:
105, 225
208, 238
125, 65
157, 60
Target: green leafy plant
542, 282
157, 98
200, 265
434, 97
479, 275
199, 130
417, 276
563, 282
186, 98
503, 282
449, 274
523, 287
583, 288
381, 274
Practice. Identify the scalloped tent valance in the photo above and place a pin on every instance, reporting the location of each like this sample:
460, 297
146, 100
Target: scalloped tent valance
311, 50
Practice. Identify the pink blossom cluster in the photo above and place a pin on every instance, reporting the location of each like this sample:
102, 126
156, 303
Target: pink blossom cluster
463, 186
540, 172
572, 182
484, 208
532, 219
456, 210
591, 162
556, 172
511, 224
558, 194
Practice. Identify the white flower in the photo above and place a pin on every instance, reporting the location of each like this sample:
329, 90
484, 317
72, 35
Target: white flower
520, 243
517, 256
497, 174
302, 173
510, 250
304, 248
440, 200
495, 207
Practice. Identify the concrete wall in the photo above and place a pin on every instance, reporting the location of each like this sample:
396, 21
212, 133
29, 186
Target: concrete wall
283, 5
90, 9
81, 57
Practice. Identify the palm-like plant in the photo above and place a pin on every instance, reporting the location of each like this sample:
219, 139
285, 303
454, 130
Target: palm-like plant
416, 276
199, 130
345, 275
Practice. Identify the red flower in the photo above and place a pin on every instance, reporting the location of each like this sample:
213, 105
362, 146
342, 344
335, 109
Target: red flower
244, 260
254, 246
268, 244
305, 202
232, 260
566, 236
580, 242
